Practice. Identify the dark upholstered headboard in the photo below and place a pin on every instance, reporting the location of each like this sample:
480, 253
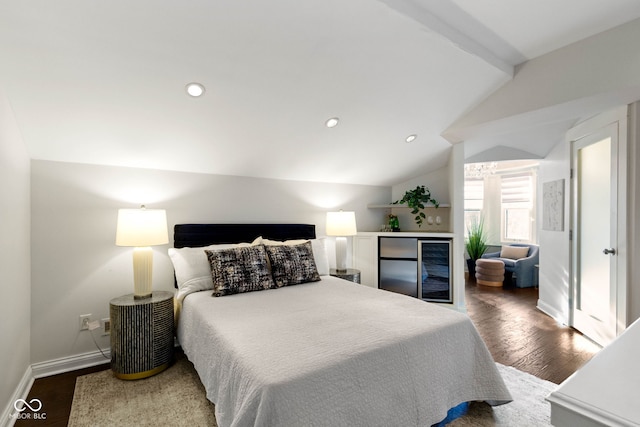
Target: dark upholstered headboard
197, 235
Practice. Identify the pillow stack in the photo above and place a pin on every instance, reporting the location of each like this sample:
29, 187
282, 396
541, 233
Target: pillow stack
245, 267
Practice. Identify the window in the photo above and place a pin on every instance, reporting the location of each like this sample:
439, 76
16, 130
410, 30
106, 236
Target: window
517, 224
503, 194
517, 202
473, 200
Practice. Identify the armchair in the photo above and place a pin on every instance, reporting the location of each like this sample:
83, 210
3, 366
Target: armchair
523, 269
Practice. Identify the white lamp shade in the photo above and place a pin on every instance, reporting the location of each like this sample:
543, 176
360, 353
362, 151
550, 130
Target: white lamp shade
341, 224
142, 227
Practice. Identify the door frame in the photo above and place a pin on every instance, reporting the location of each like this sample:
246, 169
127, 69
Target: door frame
619, 117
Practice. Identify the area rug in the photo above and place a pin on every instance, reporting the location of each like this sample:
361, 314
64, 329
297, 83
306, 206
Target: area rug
176, 397
528, 409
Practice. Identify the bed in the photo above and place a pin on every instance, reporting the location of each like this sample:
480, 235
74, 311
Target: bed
325, 352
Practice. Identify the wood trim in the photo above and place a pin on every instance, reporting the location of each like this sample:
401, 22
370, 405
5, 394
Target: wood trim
21, 392
70, 363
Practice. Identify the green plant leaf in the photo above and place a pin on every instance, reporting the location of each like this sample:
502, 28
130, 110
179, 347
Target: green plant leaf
476, 240
416, 199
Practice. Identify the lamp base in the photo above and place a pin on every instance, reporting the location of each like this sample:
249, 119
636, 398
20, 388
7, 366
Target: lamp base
142, 272
341, 254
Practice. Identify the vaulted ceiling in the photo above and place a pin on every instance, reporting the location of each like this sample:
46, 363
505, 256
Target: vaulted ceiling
103, 82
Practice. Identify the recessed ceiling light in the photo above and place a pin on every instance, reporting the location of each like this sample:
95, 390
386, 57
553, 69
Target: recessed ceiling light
332, 122
411, 138
195, 89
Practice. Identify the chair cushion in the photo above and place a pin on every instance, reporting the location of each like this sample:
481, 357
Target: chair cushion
514, 252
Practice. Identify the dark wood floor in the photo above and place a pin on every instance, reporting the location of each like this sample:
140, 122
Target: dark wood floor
519, 335
56, 394
516, 333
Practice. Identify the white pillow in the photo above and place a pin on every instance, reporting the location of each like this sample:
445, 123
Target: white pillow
193, 272
318, 247
514, 252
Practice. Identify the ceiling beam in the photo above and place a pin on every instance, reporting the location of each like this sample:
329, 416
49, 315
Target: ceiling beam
447, 20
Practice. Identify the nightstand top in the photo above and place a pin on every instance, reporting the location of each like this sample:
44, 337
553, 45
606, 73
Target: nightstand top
350, 274
156, 296
348, 271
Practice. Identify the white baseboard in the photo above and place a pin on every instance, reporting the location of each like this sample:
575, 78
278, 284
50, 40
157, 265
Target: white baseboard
45, 369
21, 392
551, 311
70, 363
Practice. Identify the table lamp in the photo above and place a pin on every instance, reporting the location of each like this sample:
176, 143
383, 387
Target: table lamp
341, 224
142, 228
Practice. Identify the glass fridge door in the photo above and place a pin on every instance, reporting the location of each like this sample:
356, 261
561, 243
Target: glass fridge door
434, 270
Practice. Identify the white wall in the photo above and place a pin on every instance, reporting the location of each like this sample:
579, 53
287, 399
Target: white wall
77, 268
456, 193
554, 245
633, 201
14, 256
436, 181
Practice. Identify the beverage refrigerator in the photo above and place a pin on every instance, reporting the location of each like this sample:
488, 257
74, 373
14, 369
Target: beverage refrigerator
417, 267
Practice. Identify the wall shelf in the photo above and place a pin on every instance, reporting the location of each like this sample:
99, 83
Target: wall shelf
391, 205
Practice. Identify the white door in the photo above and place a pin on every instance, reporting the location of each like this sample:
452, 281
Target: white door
594, 234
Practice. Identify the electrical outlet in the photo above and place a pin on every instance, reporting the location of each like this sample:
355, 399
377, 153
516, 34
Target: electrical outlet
106, 326
84, 322
94, 325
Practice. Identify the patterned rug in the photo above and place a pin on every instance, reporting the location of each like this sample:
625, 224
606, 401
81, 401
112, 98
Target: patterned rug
176, 397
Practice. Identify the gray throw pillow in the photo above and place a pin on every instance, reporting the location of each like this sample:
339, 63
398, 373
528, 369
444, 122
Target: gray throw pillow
292, 264
239, 270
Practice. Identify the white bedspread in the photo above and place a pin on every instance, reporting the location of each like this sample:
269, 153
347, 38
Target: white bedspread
334, 353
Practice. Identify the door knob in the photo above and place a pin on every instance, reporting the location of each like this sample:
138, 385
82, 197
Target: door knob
609, 251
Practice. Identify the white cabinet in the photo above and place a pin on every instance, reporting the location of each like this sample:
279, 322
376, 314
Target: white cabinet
365, 258
604, 392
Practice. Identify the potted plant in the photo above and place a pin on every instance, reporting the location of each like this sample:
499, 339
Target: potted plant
476, 245
394, 223
417, 199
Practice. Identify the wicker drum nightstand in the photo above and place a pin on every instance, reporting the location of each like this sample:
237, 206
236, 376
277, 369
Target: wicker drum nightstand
351, 274
141, 335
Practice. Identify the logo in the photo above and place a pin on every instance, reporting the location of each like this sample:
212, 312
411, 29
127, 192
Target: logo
34, 402
34, 405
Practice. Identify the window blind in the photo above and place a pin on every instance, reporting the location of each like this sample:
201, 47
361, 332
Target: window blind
517, 190
473, 194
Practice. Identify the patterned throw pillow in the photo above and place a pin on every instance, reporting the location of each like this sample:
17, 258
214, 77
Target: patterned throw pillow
239, 270
292, 264
318, 247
